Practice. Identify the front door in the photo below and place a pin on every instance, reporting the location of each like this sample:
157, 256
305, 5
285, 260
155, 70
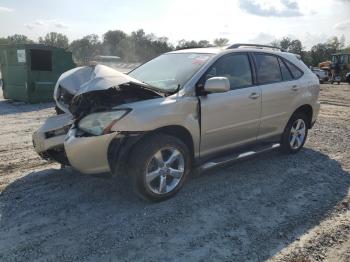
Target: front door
230, 119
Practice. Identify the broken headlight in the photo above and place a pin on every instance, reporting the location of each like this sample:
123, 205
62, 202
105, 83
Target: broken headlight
101, 123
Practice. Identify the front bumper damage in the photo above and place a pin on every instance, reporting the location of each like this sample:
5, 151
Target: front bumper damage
87, 154
48, 140
80, 92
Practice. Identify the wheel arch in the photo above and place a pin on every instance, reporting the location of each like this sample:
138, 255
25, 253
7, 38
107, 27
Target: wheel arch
179, 132
308, 111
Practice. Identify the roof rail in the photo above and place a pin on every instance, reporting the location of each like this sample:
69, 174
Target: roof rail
255, 45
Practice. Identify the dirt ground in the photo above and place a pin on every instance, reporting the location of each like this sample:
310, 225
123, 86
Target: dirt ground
273, 207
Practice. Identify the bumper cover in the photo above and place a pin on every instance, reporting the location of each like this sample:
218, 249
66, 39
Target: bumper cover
119, 150
42, 142
88, 155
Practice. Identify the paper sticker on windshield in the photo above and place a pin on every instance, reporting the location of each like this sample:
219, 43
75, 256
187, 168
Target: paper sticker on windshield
203, 57
21, 56
200, 59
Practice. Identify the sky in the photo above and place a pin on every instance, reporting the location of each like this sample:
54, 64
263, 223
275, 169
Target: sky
252, 21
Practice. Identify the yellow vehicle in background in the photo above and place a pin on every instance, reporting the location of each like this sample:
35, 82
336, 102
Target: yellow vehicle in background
338, 68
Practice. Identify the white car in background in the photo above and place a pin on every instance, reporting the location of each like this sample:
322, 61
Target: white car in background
321, 74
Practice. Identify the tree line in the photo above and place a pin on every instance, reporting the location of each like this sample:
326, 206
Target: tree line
139, 46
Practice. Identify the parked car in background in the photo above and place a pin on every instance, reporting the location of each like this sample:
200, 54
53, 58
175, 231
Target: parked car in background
186, 109
321, 74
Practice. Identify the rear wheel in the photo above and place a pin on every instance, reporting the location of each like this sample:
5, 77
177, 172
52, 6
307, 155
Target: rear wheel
158, 167
295, 133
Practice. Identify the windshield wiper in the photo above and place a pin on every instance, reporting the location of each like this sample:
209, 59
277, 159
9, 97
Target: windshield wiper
177, 89
164, 91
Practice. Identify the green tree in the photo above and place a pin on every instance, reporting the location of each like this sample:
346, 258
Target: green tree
85, 48
220, 41
292, 46
54, 39
184, 44
112, 42
19, 39
284, 43
336, 44
306, 57
143, 47
320, 53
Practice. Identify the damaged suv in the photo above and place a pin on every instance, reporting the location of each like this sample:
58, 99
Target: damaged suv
184, 109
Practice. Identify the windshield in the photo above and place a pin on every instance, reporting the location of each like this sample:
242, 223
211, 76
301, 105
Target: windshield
170, 71
334, 59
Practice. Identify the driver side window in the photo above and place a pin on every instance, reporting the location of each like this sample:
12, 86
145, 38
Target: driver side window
235, 67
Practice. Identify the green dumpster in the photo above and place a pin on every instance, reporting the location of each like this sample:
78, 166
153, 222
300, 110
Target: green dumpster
30, 71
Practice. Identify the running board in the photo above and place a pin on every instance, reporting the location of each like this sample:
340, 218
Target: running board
235, 157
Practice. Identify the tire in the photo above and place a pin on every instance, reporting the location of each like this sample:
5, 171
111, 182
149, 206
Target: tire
338, 83
158, 166
292, 141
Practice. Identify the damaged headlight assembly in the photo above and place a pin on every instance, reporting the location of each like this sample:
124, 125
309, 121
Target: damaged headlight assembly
101, 123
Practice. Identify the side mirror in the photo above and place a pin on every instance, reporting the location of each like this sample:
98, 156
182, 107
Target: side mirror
217, 85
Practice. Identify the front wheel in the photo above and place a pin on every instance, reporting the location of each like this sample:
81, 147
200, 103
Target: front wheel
295, 133
158, 166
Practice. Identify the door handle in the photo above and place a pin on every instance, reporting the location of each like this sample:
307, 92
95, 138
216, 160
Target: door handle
254, 95
295, 88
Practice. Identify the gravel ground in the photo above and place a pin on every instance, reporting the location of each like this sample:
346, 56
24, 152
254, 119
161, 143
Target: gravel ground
273, 207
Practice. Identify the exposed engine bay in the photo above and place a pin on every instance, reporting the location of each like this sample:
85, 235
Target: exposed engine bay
84, 90
81, 92
104, 100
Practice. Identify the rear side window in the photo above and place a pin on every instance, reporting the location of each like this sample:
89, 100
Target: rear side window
286, 75
268, 69
41, 60
235, 67
296, 72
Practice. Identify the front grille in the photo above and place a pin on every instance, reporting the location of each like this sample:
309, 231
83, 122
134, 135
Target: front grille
57, 154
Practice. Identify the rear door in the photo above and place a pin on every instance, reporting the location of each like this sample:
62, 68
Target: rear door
279, 90
232, 118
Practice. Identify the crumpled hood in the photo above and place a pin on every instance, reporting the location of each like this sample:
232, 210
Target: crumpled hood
86, 79
92, 78
83, 90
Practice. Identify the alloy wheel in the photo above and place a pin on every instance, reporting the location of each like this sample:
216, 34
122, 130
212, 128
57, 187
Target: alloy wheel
297, 134
165, 170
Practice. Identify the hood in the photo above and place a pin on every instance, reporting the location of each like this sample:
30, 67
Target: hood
91, 79
83, 90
